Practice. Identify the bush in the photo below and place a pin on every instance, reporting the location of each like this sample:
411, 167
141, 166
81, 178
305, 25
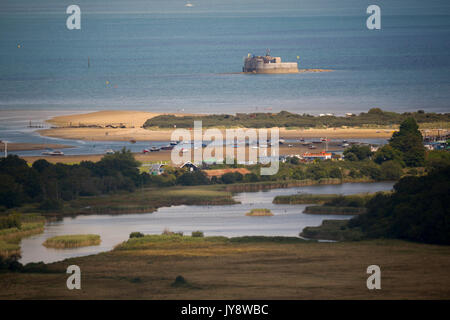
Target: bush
11, 221
180, 281
136, 235
391, 170
355, 153
50, 205
197, 234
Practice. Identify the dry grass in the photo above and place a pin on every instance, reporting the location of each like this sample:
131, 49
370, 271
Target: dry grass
246, 270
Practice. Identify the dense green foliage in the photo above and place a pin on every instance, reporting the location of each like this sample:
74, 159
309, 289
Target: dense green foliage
50, 184
417, 210
11, 221
333, 230
197, 234
286, 119
409, 141
357, 153
136, 235
405, 147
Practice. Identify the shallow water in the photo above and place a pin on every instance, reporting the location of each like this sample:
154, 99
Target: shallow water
227, 220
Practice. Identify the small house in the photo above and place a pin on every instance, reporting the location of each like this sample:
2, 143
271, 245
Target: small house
317, 156
190, 166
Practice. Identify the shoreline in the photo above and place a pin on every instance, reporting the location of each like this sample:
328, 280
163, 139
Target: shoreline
119, 125
123, 125
140, 134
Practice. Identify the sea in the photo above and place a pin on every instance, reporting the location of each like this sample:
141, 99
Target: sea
163, 56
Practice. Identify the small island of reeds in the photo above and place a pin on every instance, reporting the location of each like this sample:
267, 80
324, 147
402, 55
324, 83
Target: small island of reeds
72, 241
259, 213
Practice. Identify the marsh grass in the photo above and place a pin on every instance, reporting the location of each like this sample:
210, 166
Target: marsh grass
149, 199
72, 241
167, 239
334, 210
27, 229
8, 249
259, 213
353, 200
304, 198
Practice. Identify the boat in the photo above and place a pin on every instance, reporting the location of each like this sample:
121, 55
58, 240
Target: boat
154, 149
109, 151
145, 150
53, 153
174, 143
168, 147
132, 141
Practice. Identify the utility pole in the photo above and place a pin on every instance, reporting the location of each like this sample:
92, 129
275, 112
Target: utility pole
6, 147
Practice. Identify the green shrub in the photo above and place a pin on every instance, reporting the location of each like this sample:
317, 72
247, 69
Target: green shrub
11, 221
197, 233
136, 235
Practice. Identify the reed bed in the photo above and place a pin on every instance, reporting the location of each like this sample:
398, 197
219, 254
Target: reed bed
72, 241
259, 213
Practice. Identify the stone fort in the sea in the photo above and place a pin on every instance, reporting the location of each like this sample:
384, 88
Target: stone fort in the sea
268, 64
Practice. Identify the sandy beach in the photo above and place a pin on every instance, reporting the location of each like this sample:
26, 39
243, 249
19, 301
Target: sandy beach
165, 155
126, 125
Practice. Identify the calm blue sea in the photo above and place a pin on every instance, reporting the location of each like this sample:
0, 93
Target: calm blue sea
163, 56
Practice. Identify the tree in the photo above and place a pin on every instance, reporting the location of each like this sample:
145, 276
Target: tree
409, 141
391, 170
192, 178
417, 210
359, 153
387, 153
231, 177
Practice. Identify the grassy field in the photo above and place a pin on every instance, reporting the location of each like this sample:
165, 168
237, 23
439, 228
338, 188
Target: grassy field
259, 213
72, 241
243, 268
